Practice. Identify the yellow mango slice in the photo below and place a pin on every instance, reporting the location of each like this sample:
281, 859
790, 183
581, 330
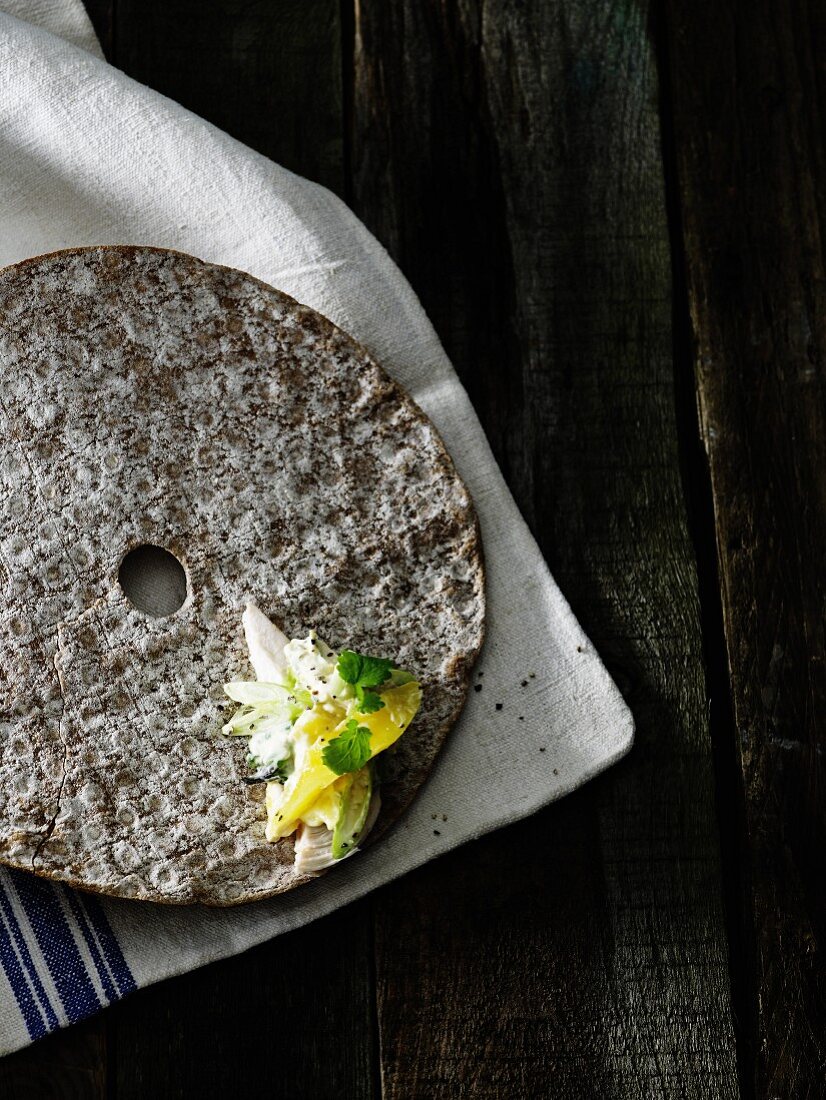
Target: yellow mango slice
312, 776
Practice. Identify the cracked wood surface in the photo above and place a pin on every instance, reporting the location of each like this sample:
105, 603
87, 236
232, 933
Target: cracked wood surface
749, 103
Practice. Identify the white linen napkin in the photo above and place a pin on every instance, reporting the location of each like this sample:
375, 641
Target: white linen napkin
88, 156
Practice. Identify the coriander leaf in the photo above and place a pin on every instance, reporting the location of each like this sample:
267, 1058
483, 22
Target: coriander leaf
374, 671
369, 702
349, 666
362, 671
365, 672
350, 750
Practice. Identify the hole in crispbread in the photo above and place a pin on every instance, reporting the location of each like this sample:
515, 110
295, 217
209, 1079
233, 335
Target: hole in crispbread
153, 580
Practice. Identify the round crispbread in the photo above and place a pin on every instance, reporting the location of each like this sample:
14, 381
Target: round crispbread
150, 398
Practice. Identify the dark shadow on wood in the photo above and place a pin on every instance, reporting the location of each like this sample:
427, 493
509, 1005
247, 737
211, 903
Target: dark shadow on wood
102, 14
347, 20
696, 479
70, 1065
749, 100
267, 73
288, 1019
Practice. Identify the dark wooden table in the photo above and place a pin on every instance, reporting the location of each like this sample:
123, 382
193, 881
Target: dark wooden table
614, 213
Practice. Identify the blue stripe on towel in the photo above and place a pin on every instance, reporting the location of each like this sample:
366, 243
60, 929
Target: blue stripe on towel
57, 944
22, 949
22, 989
108, 944
74, 901
58, 935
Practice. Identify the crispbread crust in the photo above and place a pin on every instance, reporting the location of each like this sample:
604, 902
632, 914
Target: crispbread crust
148, 397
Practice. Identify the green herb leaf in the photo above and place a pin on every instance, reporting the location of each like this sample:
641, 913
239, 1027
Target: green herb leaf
365, 672
369, 702
374, 671
349, 666
350, 750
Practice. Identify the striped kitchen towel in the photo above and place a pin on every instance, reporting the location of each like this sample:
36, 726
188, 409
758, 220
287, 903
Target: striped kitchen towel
58, 952
88, 156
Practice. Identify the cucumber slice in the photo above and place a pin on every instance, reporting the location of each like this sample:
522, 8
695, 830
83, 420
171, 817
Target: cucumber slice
353, 814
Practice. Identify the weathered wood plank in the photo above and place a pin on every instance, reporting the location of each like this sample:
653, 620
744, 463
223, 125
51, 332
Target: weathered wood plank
267, 73
70, 1065
290, 1019
102, 14
749, 102
508, 155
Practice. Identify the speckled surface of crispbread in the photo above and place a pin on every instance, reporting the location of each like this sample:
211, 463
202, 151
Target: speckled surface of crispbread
147, 397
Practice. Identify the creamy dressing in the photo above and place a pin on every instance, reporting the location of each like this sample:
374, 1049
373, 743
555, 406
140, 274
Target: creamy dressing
314, 666
271, 744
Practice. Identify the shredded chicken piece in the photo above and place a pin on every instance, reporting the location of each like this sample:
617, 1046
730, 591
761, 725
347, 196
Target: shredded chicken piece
313, 849
314, 843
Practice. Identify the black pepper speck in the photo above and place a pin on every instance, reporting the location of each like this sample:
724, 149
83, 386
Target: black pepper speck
498, 706
477, 687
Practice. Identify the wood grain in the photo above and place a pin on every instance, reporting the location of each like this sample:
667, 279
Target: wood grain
749, 103
102, 14
267, 73
508, 155
290, 1020
507, 152
70, 1065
